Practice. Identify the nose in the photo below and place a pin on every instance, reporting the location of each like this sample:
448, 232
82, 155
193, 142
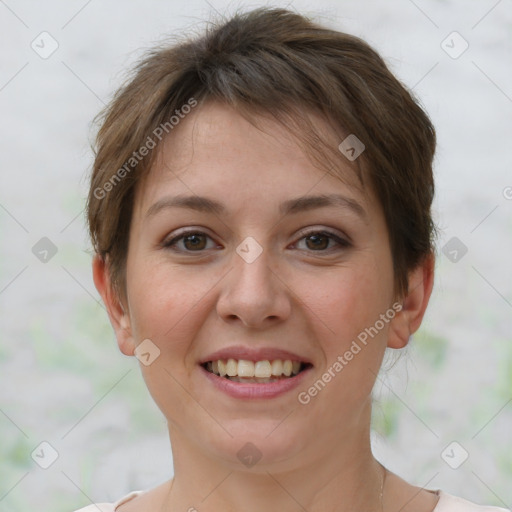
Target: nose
254, 294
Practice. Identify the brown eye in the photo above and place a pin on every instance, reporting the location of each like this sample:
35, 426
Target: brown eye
318, 241
192, 241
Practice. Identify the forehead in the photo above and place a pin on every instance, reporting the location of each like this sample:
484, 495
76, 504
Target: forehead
216, 151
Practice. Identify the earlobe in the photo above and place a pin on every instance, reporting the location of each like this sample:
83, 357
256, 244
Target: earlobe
119, 318
124, 337
408, 320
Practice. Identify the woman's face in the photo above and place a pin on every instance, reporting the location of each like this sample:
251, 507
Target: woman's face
266, 275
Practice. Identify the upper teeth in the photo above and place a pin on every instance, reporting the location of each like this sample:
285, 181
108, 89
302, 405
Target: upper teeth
263, 369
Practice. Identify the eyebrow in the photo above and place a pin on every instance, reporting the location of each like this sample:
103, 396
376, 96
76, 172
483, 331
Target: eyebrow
291, 206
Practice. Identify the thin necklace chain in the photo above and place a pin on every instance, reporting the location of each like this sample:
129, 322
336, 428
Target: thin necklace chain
381, 490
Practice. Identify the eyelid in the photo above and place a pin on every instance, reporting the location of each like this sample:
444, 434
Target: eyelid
343, 241
182, 233
327, 231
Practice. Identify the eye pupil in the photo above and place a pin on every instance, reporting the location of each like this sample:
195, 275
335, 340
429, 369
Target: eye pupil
316, 239
195, 243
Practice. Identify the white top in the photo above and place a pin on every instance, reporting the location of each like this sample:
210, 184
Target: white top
446, 503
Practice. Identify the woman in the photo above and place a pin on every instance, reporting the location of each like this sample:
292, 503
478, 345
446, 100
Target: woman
260, 212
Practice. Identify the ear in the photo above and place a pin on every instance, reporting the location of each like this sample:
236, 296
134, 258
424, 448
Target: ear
119, 318
408, 320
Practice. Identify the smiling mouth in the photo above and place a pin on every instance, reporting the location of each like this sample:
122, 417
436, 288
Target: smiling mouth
249, 372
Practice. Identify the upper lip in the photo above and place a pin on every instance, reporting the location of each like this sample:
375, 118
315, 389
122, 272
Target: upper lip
253, 354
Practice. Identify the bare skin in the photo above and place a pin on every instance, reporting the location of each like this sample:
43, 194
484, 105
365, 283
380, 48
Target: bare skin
398, 496
309, 298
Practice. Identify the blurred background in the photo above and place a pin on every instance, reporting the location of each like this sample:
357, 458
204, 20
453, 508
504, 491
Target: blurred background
77, 424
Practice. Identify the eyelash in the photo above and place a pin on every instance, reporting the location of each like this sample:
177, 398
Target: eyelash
340, 241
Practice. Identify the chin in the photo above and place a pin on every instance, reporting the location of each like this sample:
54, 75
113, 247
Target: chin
259, 445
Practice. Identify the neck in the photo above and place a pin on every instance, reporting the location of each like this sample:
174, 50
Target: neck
334, 475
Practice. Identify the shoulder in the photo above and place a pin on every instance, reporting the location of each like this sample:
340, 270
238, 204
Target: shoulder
98, 507
110, 507
449, 503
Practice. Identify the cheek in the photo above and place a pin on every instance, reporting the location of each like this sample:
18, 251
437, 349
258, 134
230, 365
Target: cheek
168, 304
347, 309
351, 300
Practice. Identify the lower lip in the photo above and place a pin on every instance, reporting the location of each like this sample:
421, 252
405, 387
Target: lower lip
255, 390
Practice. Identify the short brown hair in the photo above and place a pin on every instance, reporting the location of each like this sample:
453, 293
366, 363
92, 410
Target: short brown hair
278, 62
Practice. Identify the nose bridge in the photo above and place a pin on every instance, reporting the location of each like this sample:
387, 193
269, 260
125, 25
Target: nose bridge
252, 265
252, 291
